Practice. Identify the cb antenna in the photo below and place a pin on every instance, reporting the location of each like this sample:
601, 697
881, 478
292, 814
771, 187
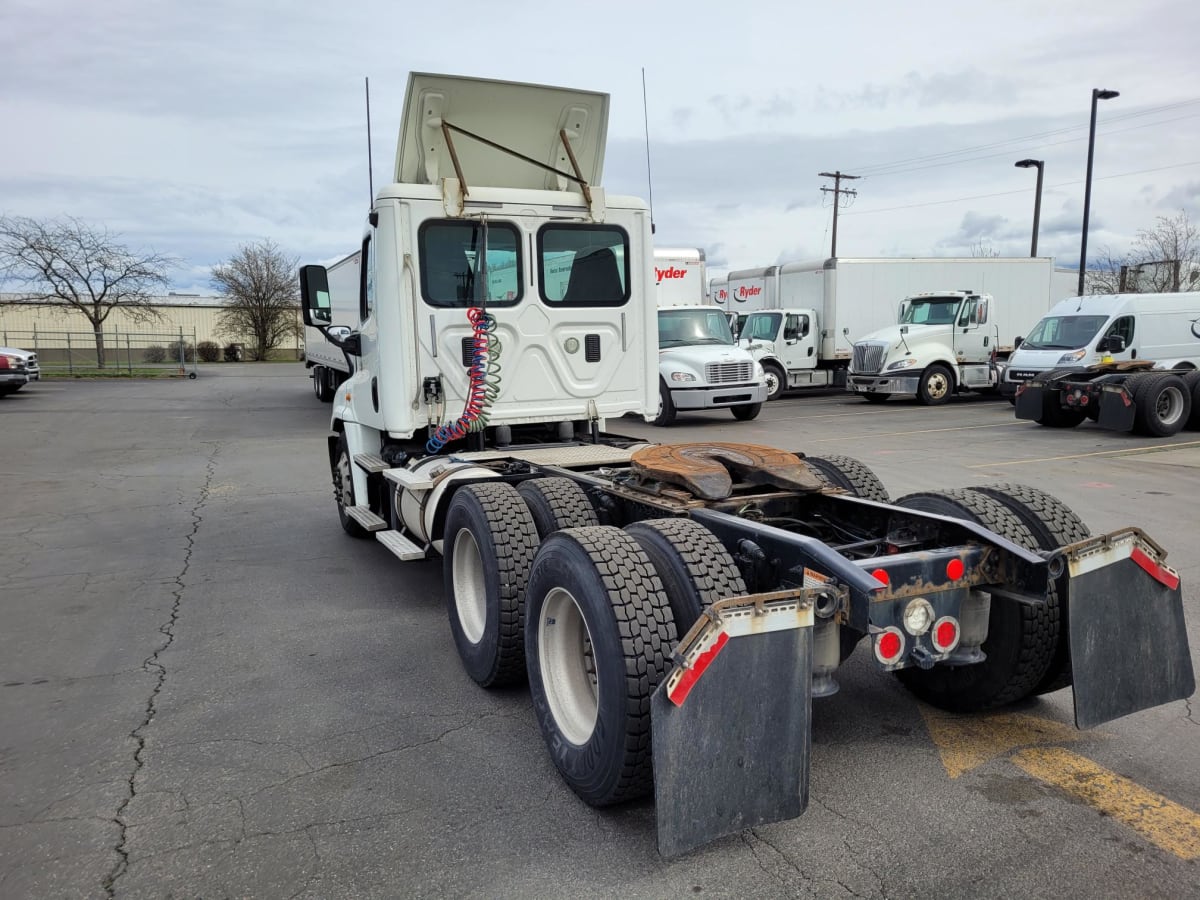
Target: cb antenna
646, 123
370, 168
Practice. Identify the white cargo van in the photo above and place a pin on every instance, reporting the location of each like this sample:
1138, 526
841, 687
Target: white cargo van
1081, 331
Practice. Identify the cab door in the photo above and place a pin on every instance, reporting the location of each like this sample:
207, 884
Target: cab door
798, 348
974, 336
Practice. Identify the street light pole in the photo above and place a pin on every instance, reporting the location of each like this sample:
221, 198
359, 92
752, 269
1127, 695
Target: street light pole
1037, 200
1097, 94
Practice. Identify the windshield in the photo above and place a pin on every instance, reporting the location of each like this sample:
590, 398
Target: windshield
1063, 332
684, 327
930, 311
761, 327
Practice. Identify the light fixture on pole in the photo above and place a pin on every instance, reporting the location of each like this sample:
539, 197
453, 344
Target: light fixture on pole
1037, 200
1097, 94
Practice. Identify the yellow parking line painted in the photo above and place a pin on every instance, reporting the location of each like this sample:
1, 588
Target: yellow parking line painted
1148, 448
1168, 825
967, 742
881, 434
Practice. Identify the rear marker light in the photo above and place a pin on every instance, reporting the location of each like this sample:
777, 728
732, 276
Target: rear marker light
918, 616
945, 634
881, 575
955, 569
889, 645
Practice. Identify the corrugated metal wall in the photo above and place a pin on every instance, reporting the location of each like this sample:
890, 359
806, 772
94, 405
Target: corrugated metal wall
203, 320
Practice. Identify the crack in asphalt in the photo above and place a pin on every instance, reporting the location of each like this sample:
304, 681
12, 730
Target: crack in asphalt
1187, 703
152, 666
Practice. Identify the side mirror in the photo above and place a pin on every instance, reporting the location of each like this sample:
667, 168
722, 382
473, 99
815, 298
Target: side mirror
314, 296
1114, 343
352, 344
904, 329
1017, 342
339, 332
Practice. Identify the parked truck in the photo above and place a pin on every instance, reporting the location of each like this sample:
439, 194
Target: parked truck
680, 276
328, 366
674, 608
957, 324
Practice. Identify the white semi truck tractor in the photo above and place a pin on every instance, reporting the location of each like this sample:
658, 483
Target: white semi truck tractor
673, 608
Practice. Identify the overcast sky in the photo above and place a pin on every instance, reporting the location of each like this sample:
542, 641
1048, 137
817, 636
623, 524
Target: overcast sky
191, 128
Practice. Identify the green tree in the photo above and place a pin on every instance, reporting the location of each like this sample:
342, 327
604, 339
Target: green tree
262, 291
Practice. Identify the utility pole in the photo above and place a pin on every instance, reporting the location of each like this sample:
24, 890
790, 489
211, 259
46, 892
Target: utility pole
837, 190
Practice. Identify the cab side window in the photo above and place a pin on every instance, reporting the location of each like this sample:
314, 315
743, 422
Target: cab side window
795, 328
1123, 327
366, 281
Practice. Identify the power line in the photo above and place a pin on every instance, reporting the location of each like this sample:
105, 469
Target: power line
864, 212
1004, 153
1020, 138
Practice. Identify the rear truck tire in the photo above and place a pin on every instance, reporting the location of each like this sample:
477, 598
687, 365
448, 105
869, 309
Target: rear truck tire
599, 641
1162, 405
1053, 524
851, 475
875, 398
557, 503
1192, 381
1053, 414
746, 411
1022, 638
776, 381
936, 385
666, 407
490, 542
695, 568
343, 488
322, 387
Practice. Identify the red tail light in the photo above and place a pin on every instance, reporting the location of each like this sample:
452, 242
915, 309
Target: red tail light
945, 634
889, 646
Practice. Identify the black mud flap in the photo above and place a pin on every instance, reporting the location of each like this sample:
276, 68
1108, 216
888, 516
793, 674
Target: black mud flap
1029, 402
1129, 646
730, 723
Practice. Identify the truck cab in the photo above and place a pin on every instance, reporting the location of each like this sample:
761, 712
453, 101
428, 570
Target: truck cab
786, 342
944, 342
702, 368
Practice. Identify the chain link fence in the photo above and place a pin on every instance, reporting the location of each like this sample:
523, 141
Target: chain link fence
114, 353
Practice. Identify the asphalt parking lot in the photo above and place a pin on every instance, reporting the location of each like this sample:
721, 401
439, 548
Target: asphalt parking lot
208, 690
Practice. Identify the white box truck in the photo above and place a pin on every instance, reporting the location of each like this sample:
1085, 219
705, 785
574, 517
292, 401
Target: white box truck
957, 324
680, 276
506, 310
328, 365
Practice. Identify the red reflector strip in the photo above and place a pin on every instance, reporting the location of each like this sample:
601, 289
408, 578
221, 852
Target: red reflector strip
691, 675
1158, 572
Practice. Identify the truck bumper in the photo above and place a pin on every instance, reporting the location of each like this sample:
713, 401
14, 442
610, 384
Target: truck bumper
882, 384
718, 397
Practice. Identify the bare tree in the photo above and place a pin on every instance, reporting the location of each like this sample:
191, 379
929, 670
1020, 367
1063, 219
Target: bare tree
263, 292
983, 248
68, 261
1164, 259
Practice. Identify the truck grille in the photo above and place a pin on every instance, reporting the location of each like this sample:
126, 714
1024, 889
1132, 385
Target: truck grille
728, 373
868, 358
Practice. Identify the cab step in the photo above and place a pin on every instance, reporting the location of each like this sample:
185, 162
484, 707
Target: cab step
371, 462
407, 478
367, 519
401, 547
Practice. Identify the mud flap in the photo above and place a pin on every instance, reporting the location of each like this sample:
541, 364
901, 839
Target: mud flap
1129, 646
731, 722
1029, 402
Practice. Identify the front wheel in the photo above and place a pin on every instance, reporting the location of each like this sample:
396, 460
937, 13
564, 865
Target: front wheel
776, 380
936, 385
598, 642
343, 488
322, 384
666, 408
746, 412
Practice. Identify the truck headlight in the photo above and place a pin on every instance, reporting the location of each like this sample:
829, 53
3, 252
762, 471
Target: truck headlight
1073, 356
760, 374
906, 363
682, 376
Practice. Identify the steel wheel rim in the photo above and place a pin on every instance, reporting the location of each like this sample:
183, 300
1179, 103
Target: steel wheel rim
568, 666
470, 588
773, 383
343, 485
938, 386
1169, 405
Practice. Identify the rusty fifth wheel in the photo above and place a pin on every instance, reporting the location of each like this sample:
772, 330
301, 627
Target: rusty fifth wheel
705, 469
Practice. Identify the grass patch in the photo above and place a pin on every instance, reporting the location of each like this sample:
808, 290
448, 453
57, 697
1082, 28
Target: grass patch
137, 372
